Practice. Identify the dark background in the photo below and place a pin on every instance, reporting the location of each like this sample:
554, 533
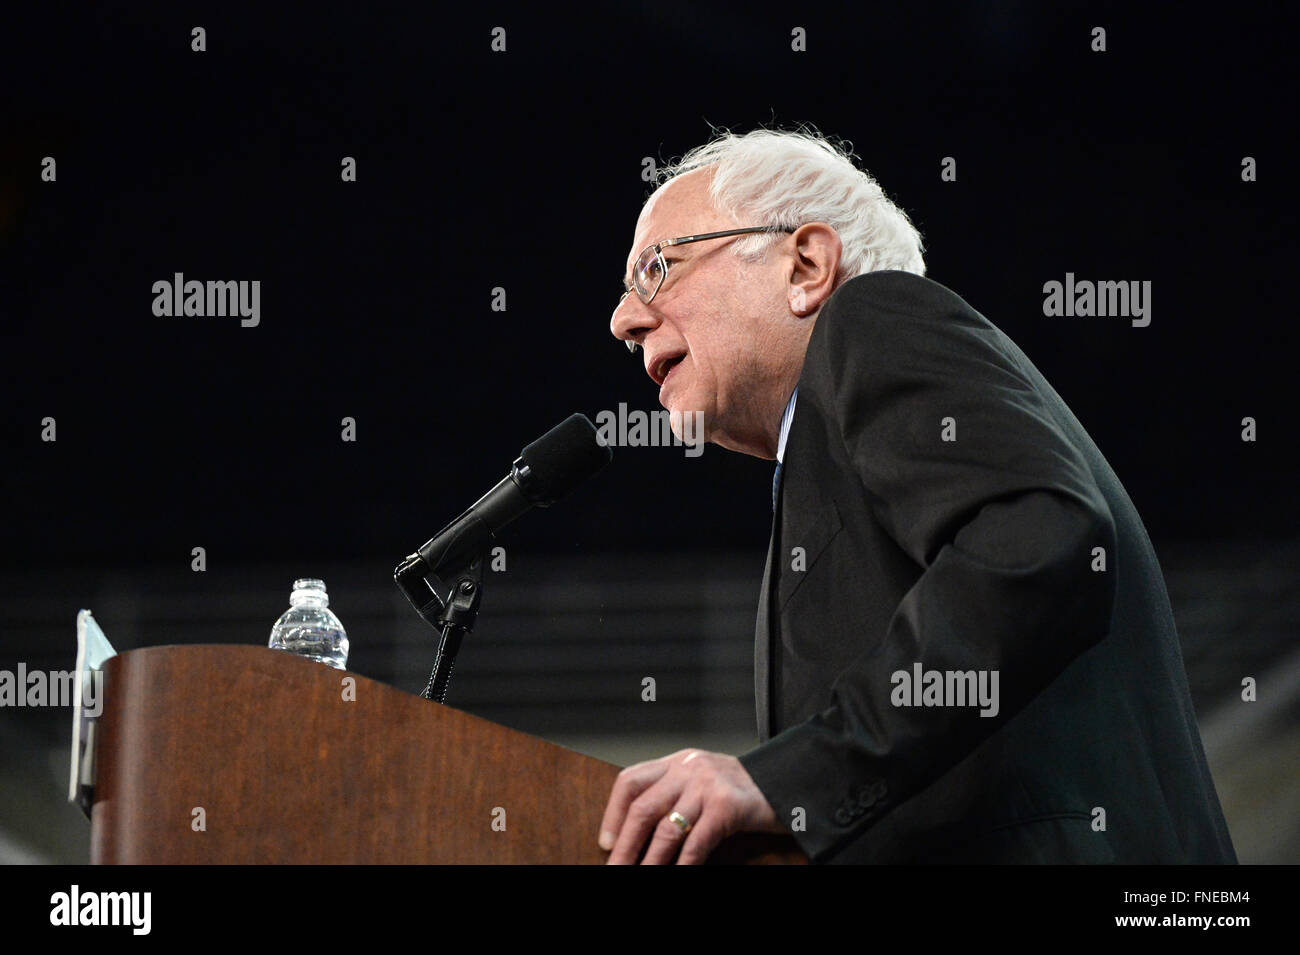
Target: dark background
523, 170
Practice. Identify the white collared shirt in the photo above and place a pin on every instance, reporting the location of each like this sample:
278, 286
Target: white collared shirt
785, 426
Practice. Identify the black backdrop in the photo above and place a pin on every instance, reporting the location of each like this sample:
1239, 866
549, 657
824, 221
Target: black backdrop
522, 170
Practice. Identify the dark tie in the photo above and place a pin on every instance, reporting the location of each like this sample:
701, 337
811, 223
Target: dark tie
776, 481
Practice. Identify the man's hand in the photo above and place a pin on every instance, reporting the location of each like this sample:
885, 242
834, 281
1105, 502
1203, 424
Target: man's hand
713, 793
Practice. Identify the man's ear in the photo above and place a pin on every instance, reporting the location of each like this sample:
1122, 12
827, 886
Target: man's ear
814, 265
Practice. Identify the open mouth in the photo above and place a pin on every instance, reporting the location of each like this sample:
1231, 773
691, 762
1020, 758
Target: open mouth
663, 367
668, 366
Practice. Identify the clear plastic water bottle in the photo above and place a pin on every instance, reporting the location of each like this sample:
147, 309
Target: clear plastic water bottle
309, 628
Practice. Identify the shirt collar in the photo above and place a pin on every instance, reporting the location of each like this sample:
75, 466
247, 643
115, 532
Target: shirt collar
785, 426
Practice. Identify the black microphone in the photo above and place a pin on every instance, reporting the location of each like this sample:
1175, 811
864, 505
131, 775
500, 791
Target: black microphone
545, 471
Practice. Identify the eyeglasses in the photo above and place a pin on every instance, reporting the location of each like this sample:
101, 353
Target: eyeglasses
650, 268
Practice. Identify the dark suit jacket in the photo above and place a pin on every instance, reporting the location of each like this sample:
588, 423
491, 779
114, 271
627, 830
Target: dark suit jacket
964, 555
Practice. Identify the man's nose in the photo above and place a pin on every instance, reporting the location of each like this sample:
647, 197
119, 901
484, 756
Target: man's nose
632, 320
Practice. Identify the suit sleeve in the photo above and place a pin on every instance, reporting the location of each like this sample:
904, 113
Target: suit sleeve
1001, 513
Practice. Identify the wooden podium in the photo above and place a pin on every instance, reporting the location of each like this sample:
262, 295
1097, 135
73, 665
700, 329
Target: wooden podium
241, 754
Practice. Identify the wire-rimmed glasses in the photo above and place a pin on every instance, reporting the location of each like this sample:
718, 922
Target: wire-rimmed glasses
650, 268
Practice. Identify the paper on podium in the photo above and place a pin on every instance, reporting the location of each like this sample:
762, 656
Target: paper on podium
93, 650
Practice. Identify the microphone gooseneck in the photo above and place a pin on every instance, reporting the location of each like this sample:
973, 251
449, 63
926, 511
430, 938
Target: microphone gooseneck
546, 471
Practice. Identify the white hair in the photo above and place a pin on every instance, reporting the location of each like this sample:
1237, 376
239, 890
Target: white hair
774, 177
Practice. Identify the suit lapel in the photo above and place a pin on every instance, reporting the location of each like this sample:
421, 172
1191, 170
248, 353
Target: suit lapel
763, 628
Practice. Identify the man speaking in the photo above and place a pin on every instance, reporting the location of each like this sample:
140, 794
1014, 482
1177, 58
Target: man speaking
965, 650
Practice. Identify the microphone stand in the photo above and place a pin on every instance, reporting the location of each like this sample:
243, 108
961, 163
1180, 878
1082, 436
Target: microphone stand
454, 616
